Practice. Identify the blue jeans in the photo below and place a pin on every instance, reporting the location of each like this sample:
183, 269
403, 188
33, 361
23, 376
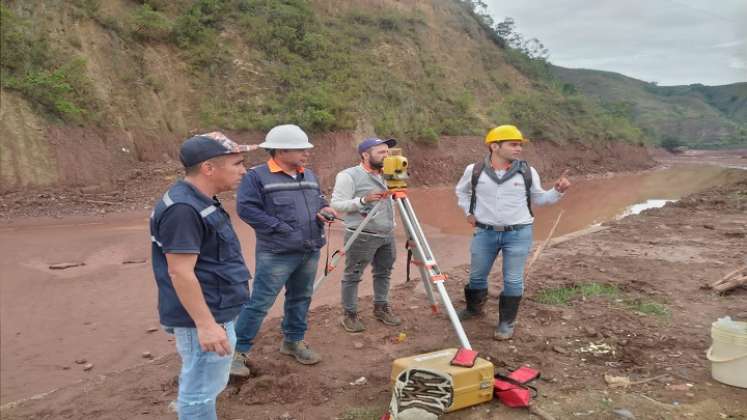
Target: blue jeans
204, 374
296, 272
515, 246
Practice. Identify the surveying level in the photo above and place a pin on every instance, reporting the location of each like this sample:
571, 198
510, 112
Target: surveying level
395, 175
395, 169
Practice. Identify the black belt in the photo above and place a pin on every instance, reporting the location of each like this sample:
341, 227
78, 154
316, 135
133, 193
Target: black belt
507, 228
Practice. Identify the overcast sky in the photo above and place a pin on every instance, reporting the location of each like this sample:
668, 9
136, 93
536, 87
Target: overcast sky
672, 42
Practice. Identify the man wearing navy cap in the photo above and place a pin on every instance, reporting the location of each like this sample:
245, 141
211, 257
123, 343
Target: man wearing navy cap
356, 191
201, 275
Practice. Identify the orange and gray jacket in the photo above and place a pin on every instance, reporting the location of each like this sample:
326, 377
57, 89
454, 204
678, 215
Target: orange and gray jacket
282, 210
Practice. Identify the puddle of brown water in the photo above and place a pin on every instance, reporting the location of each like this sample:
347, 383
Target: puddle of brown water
588, 202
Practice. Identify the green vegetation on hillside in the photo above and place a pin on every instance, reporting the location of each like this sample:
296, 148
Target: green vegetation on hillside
319, 73
256, 63
53, 82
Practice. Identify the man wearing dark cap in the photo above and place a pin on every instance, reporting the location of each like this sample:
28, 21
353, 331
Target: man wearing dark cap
199, 269
356, 191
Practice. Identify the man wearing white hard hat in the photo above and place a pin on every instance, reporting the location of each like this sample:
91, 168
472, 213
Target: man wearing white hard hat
281, 200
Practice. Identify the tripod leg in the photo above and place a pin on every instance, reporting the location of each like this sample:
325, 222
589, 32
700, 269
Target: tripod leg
428, 288
423, 259
429, 268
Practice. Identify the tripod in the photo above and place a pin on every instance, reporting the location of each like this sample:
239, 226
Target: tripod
426, 261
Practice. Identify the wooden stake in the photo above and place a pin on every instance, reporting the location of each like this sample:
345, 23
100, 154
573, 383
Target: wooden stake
726, 277
542, 246
731, 284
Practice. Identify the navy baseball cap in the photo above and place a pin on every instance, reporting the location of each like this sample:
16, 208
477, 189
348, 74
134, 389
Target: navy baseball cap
373, 141
207, 146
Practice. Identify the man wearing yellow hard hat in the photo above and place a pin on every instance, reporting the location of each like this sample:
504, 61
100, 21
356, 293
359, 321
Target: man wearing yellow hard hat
497, 195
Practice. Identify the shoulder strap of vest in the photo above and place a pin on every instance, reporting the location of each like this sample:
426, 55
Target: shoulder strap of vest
476, 172
526, 172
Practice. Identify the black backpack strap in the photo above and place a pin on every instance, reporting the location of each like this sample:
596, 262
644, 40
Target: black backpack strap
526, 172
523, 169
476, 172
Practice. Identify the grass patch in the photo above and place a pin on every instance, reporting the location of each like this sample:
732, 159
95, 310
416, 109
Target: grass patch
564, 295
362, 413
648, 307
556, 295
567, 294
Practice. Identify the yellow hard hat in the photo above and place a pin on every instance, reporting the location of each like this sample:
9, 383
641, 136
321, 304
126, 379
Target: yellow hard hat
504, 133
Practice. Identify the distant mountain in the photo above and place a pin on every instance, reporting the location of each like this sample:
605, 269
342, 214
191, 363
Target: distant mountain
699, 116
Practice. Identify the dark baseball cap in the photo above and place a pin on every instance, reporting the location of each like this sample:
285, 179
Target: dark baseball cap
373, 141
207, 146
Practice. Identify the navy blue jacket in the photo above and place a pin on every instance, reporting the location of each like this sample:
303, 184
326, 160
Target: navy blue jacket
282, 210
220, 267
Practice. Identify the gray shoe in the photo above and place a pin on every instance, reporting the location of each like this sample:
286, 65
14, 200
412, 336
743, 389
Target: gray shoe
504, 331
351, 323
383, 312
508, 308
300, 351
239, 367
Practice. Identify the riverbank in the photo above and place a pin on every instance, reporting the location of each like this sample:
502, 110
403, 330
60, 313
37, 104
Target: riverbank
136, 186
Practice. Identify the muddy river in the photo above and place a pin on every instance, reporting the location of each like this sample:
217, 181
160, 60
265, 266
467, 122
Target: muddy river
101, 312
590, 201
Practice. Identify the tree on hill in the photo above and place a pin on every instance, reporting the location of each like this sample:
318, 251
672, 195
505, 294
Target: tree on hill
671, 144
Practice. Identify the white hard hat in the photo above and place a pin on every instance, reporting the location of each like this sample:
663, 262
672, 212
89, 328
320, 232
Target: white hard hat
287, 136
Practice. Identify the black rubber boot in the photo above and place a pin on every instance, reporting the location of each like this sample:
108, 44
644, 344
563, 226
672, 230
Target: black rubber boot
508, 308
476, 299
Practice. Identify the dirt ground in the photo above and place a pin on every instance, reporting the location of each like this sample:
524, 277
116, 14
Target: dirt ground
634, 289
736, 158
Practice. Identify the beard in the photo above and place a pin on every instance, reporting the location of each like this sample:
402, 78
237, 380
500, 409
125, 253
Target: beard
376, 165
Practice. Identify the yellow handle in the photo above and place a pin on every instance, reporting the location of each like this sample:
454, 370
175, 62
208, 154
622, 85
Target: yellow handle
709, 355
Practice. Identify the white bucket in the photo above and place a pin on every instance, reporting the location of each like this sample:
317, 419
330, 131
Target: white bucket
728, 353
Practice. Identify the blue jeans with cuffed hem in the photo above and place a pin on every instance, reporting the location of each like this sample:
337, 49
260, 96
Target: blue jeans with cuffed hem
203, 376
295, 272
485, 247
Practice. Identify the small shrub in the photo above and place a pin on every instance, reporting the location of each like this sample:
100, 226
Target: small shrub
671, 143
87, 8
149, 24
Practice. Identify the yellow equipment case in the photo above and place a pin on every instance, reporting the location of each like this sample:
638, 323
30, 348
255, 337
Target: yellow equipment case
472, 386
